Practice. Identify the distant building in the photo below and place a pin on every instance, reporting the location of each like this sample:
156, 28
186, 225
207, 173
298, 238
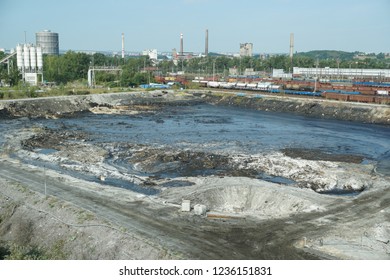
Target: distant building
151, 53
233, 71
342, 72
48, 41
250, 72
246, 49
279, 73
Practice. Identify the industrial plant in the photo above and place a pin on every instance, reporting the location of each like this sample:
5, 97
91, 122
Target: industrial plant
293, 79
30, 62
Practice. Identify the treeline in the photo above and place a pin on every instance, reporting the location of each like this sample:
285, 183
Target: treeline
221, 64
73, 66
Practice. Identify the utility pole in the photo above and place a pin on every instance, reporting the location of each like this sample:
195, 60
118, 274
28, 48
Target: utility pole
213, 70
44, 175
315, 80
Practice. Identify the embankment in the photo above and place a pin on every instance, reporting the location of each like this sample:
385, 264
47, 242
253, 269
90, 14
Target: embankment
52, 107
318, 108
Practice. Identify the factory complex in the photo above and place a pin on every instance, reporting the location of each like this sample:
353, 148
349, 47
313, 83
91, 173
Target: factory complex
348, 84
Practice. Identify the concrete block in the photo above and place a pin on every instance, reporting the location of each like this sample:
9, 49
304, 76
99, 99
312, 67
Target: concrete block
200, 209
186, 206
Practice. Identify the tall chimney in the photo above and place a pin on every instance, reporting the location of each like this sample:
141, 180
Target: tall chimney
206, 50
123, 45
291, 45
181, 45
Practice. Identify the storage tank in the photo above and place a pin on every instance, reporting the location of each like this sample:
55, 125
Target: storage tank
39, 58
26, 53
48, 41
19, 56
33, 58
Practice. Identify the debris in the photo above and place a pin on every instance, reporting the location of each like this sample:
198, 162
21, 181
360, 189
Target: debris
186, 206
200, 209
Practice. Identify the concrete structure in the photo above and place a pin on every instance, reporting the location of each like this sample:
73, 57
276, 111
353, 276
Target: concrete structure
186, 206
233, 71
48, 41
33, 58
151, 53
200, 209
206, 48
26, 57
342, 72
250, 72
30, 62
291, 45
39, 58
181, 45
246, 49
123, 45
279, 73
19, 57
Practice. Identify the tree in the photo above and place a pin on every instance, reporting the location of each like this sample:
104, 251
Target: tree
13, 76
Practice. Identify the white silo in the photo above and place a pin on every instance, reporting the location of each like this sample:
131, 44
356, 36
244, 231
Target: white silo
33, 58
19, 56
26, 53
39, 58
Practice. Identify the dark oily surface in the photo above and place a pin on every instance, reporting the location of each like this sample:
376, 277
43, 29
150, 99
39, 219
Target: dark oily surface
209, 133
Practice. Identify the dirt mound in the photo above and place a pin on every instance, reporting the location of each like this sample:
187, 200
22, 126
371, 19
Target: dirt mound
240, 195
259, 201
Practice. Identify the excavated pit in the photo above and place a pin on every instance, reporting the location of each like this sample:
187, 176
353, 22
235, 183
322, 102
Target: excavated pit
159, 142
275, 168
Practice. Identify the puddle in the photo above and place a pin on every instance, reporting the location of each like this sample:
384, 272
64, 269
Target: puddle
276, 179
45, 151
339, 192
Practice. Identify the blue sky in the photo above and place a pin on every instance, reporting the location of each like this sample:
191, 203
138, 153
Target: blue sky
348, 25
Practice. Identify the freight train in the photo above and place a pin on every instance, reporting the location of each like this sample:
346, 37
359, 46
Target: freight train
378, 96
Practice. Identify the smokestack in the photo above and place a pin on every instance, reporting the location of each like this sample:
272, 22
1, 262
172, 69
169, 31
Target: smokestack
206, 50
291, 45
123, 45
181, 45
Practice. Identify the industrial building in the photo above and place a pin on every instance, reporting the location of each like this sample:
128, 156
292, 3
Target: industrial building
30, 63
48, 41
151, 53
335, 73
246, 49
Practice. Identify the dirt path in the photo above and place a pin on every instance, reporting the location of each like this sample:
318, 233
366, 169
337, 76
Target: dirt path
189, 236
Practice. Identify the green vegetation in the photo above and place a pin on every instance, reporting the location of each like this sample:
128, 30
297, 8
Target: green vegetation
74, 66
13, 251
68, 72
329, 54
334, 59
13, 76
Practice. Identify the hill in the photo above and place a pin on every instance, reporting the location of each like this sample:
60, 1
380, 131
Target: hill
328, 54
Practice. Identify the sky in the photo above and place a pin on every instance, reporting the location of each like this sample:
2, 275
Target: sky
345, 25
